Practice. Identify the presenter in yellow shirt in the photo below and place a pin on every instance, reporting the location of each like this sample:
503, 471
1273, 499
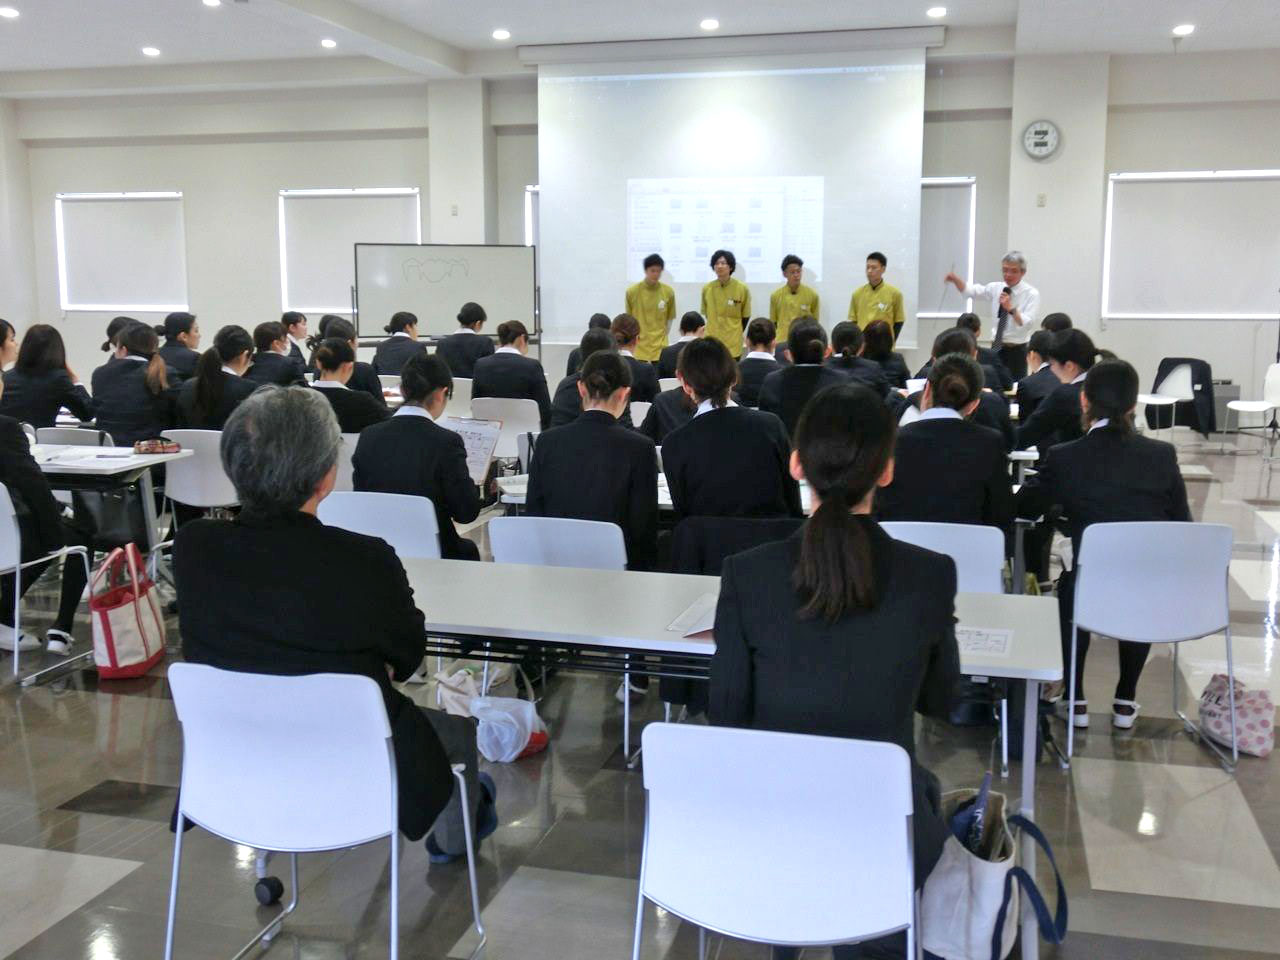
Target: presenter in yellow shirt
792, 299
726, 303
653, 303
875, 299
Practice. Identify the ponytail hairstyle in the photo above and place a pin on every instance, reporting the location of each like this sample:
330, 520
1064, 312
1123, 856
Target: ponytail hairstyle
265, 334
228, 343
510, 331
846, 339
472, 315
807, 341
877, 341
399, 321
955, 380
709, 369
626, 329
175, 324
1111, 387
114, 329
595, 340
423, 374
322, 330
761, 332
140, 340
330, 326
333, 353
844, 441
604, 373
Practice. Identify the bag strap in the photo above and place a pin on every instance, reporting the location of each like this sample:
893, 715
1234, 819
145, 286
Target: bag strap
1054, 929
108, 566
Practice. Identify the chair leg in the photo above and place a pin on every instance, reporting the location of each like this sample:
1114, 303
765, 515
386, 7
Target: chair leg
1231, 699
1004, 738
17, 624
1192, 727
1071, 699
702, 943
393, 923
635, 942
173, 890
458, 772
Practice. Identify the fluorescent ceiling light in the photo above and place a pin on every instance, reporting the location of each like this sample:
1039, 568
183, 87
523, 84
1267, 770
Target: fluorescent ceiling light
213, 3
328, 43
711, 23
8, 13
1184, 29
151, 51
501, 34
936, 12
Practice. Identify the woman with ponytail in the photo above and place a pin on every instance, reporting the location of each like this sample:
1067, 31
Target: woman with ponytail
841, 630
1056, 419
132, 398
401, 345
846, 356
363, 379
335, 361
461, 350
785, 392
207, 399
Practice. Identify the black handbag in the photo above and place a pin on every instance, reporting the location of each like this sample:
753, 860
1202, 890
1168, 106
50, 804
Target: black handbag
112, 517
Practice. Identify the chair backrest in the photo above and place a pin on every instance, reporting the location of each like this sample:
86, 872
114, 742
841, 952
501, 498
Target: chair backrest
75, 436
517, 416
1177, 383
525, 443
834, 815
10, 533
639, 410
389, 381
198, 480
668, 383
459, 404
30, 432
1271, 385
557, 542
977, 551
285, 763
407, 523
1153, 581
346, 469
910, 414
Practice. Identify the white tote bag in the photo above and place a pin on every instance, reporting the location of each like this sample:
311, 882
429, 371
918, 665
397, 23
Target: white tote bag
128, 628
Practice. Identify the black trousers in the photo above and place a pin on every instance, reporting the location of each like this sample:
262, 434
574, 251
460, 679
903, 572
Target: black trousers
1133, 656
1014, 356
73, 578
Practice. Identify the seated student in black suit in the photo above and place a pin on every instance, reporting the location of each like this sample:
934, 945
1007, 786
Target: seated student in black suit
728, 461
693, 326
948, 469
363, 379
181, 349
295, 328
400, 347
462, 349
41, 383
992, 410
131, 398
986, 356
354, 409
566, 403
43, 529
759, 360
1041, 381
801, 625
785, 392
877, 346
218, 387
598, 321
670, 409
1057, 417
1055, 322
1109, 474
595, 468
846, 356
511, 373
412, 454
993, 374
8, 345
644, 379
114, 329
258, 596
271, 361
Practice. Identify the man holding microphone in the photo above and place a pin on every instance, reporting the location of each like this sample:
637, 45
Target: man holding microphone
1017, 306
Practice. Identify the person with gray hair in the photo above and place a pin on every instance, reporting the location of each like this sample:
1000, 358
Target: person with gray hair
257, 594
1016, 304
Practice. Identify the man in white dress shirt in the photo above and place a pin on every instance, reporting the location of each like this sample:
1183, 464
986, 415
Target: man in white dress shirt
1017, 311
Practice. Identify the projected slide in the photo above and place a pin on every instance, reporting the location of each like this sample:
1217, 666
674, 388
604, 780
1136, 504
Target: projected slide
761, 219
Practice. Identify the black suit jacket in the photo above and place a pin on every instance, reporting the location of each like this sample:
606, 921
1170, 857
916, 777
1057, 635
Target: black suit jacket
299, 360
364, 380
668, 359
786, 391
354, 409
515, 377
274, 368
566, 404
948, 471
991, 358
776, 670
992, 412
125, 408
258, 596
1034, 388
180, 358
866, 372
36, 398
1057, 419
751, 374
390, 356
234, 390
575, 362
461, 351
670, 409
644, 380
732, 462
895, 370
597, 469
413, 455
993, 377
38, 513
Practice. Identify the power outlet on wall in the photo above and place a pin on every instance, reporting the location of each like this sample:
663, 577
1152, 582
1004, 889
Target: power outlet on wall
1042, 199
453, 210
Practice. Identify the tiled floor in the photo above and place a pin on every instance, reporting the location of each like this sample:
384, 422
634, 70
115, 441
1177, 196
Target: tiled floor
1163, 854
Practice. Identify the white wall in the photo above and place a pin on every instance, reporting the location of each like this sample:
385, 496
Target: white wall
17, 286
517, 168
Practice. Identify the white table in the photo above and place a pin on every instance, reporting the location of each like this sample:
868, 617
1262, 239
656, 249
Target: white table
514, 489
1021, 458
628, 613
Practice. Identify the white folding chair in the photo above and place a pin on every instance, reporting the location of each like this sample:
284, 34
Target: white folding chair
717, 796
557, 542
668, 383
345, 481
1175, 387
407, 523
1155, 582
459, 405
1270, 401
74, 436
517, 416
198, 480
332, 782
12, 564
639, 410
30, 432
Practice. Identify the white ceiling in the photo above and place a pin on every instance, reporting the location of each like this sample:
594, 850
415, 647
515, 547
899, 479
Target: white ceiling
1145, 26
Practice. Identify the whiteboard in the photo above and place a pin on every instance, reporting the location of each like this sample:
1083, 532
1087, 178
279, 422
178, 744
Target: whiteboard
121, 251
318, 228
1195, 246
432, 280
948, 207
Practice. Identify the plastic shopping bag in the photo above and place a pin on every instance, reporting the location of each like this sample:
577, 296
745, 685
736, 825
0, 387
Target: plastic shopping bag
507, 727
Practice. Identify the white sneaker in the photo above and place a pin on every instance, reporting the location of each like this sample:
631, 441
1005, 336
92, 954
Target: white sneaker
1080, 720
636, 691
1124, 721
25, 642
58, 641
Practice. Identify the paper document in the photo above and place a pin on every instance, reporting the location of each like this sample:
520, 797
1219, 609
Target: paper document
698, 618
480, 438
981, 642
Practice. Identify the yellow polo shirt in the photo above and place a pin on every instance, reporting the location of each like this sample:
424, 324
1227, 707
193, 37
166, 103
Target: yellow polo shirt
785, 306
727, 307
655, 308
883, 303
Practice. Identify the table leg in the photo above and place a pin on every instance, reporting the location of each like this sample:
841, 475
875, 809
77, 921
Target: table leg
1030, 722
626, 713
147, 492
1019, 557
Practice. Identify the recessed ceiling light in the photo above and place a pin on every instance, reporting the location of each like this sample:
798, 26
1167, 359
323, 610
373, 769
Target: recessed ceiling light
151, 51
711, 23
501, 34
328, 43
213, 3
8, 12
1184, 29
936, 12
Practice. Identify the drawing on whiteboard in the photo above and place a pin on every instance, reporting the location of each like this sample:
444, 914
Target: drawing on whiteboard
434, 269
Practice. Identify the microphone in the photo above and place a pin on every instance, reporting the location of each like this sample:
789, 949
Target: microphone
1003, 312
